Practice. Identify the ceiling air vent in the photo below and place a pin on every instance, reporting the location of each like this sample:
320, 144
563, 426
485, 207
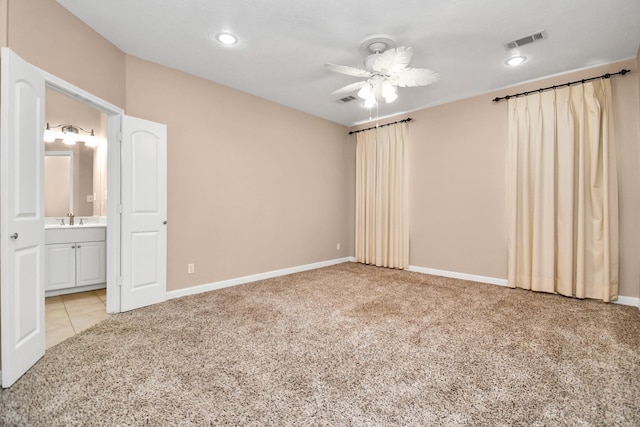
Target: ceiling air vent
526, 40
346, 99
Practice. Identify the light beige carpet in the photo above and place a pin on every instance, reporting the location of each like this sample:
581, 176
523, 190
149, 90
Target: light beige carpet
345, 345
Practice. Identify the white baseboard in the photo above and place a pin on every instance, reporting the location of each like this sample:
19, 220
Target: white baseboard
634, 302
253, 278
622, 300
74, 290
454, 275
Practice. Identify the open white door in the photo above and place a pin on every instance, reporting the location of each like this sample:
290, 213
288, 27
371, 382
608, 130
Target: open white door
144, 213
21, 217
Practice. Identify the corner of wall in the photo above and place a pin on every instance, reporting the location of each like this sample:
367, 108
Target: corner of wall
31, 27
638, 121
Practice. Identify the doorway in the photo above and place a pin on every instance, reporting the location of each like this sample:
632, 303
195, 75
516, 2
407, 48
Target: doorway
136, 210
114, 116
75, 188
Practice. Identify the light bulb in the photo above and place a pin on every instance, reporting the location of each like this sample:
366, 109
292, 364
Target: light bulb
365, 91
49, 135
91, 140
370, 101
69, 140
389, 92
392, 97
69, 137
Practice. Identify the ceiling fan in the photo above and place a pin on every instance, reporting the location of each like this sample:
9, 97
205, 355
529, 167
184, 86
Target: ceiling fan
386, 69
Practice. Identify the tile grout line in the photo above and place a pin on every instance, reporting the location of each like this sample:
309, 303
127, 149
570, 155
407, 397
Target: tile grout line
69, 317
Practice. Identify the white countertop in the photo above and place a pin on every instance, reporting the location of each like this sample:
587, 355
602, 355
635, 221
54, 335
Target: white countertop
88, 222
90, 225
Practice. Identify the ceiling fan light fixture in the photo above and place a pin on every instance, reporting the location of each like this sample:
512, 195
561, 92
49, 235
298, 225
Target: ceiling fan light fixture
386, 68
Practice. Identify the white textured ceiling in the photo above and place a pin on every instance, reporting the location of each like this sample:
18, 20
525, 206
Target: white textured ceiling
284, 43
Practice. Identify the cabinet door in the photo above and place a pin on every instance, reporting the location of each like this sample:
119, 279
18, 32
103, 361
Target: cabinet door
60, 266
90, 263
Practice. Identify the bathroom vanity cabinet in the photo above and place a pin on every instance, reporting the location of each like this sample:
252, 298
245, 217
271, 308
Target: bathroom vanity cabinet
75, 259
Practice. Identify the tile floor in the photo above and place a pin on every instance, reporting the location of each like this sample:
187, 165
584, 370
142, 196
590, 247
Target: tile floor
67, 315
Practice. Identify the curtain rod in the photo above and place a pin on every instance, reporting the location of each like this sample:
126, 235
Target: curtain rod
381, 126
604, 76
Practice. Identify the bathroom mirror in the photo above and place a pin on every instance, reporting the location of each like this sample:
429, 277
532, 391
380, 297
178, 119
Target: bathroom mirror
68, 172
86, 192
58, 183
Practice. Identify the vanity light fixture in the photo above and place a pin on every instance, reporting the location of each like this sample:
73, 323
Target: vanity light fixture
227, 38
91, 140
70, 135
515, 60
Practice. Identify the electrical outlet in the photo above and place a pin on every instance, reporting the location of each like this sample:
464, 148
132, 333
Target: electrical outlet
191, 268
338, 247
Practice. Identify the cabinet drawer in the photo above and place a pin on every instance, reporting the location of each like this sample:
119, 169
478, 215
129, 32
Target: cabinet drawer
72, 235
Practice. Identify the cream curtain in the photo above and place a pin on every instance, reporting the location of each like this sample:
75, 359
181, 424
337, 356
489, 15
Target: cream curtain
382, 214
563, 194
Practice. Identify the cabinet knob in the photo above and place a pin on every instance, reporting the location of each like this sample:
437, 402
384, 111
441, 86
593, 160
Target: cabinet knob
15, 235
73, 247
164, 222
78, 246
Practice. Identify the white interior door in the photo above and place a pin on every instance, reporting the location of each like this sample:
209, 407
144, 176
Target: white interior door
144, 213
21, 216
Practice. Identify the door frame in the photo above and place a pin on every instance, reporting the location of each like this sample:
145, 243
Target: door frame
114, 206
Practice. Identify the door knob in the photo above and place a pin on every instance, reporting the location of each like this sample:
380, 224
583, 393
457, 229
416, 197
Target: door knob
14, 236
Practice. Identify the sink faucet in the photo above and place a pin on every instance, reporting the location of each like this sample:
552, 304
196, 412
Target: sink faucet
70, 215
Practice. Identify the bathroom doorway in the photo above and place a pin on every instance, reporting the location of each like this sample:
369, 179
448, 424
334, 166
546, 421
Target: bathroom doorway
75, 170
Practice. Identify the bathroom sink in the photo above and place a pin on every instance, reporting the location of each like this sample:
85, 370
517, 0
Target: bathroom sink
90, 225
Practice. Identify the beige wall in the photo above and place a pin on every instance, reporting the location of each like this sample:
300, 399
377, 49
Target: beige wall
3, 23
458, 169
43, 33
253, 186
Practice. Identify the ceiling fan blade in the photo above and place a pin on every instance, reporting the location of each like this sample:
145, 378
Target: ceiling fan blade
393, 60
349, 88
349, 71
414, 77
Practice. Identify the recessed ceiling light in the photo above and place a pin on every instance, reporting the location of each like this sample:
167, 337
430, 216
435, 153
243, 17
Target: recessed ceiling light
516, 60
227, 38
